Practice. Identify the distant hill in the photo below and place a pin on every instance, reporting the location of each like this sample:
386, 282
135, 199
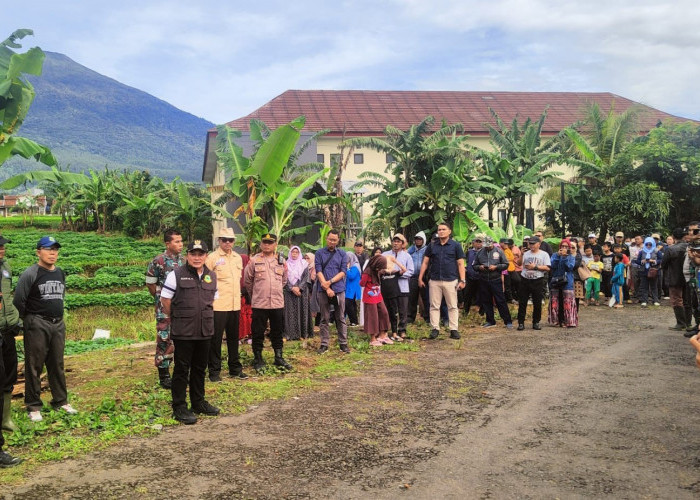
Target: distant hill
92, 121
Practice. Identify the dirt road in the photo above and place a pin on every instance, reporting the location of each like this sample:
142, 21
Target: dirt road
608, 409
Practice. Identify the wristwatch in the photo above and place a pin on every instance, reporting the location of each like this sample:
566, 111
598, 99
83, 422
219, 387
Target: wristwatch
463, 281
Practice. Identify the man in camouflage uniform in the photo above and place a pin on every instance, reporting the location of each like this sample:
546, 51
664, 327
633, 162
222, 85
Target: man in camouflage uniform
157, 271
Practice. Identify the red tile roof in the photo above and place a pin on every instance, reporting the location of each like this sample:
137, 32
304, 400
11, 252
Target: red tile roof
365, 112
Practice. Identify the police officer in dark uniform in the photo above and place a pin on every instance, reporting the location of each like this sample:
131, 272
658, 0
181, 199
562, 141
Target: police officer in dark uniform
9, 326
187, 299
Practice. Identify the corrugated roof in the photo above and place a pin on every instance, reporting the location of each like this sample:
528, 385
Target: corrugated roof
368, 112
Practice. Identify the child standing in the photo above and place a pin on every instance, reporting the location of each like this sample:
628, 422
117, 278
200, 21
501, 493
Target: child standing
376, 316
593, 283
617, 281
607, 259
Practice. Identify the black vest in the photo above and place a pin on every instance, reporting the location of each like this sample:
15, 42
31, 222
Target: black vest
192, 308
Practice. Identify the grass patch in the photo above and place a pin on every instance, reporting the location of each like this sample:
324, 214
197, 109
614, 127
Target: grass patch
136, 324
462, 384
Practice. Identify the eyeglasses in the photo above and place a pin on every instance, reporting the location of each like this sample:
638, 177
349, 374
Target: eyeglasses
227, 240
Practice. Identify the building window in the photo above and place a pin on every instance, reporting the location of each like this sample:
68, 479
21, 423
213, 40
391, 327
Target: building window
389, 158
359, 158
320, 158
335, 159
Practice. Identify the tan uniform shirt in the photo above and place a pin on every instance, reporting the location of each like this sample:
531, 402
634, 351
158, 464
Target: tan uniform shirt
264, 279
228, 269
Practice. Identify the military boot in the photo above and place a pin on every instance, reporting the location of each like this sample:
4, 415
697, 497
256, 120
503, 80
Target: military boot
258, 361
164, 375
681, 324
280, 361
7, 423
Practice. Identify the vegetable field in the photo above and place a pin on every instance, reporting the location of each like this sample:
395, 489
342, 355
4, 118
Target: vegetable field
104, 283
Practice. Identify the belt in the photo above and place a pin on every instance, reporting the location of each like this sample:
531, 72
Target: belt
50, 319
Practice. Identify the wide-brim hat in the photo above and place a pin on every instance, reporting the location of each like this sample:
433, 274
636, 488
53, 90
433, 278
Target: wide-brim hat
226, 232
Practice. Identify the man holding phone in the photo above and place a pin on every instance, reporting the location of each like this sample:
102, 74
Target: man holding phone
536, 263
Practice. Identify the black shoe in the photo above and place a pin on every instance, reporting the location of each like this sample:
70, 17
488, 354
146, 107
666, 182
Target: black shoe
164, 377
345, 348
536, 326
280, 362
322, 349
521, 327
7, 460
185, 416
204, 408
239, 374
214, 377
488, 325
454, 334
434, 334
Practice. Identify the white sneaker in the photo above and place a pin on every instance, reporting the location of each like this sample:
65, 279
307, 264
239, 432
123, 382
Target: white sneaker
69, 409
35, 416
644, 304
611, 302
656, 304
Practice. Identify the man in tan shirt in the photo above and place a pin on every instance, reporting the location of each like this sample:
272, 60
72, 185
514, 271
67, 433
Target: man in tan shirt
228, 266
264, 278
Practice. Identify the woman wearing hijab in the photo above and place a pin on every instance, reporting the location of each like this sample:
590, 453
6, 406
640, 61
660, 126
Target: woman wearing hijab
376, 321
297, 313
353, 292
648, 261
562, 302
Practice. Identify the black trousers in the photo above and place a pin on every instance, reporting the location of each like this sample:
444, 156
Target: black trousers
259, 324
515, 279
414, 292
351, 310
397, 308
606, 285
225, 321
8, 370
190, 365
472, 294
44, 344
531, 289
492, 290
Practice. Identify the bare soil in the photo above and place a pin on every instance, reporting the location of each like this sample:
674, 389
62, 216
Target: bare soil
608, 409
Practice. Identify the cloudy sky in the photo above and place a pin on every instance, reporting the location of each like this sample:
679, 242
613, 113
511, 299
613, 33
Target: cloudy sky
222, 59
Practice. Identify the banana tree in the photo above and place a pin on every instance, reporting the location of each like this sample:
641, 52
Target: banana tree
16, 96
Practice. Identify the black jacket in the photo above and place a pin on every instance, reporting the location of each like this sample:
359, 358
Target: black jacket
672, 264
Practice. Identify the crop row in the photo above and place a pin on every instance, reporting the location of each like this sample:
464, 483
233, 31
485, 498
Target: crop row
129, 299
78, 282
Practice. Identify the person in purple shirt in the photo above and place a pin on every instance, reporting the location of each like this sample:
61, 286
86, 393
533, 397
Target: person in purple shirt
331, 266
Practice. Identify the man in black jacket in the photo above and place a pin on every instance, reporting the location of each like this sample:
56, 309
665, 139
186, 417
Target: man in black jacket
187, 301
672, 265
491, 262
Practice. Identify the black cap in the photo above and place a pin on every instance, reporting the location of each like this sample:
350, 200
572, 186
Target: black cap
269, 238
534, 239
359, 243
695, 244
4, 241
197, 245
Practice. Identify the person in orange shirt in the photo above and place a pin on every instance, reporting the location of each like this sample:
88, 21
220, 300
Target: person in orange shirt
228, 267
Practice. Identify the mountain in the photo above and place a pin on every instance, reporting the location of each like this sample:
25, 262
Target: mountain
92, 121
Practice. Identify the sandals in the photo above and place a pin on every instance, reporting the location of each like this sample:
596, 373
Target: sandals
396, 338
386, 341
376, 343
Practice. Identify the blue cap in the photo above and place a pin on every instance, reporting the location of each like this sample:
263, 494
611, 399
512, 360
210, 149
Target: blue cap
48, 241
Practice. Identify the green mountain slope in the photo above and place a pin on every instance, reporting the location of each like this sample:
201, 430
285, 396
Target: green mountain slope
92, 121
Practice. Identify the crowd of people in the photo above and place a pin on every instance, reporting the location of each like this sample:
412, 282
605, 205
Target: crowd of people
202, 296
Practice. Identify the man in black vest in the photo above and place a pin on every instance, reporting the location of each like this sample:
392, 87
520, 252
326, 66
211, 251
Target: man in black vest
187, 298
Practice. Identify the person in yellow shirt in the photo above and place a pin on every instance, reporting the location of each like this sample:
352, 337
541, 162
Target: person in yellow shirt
228, 267
593, 283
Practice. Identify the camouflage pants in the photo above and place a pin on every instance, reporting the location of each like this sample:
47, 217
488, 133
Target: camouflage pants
165, 349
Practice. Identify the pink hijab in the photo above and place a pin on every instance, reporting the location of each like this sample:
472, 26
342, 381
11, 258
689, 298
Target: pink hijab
295, 267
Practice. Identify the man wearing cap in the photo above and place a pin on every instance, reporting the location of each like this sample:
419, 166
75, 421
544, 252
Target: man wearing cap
535, 263
228, 267
361, 253
39, 299
403, 265
9, 327
620, 240
447, 275
158, 270
187, 298
417, 251
491, 262
672, 264
265, 277
593, 241
472, 293
331, 264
